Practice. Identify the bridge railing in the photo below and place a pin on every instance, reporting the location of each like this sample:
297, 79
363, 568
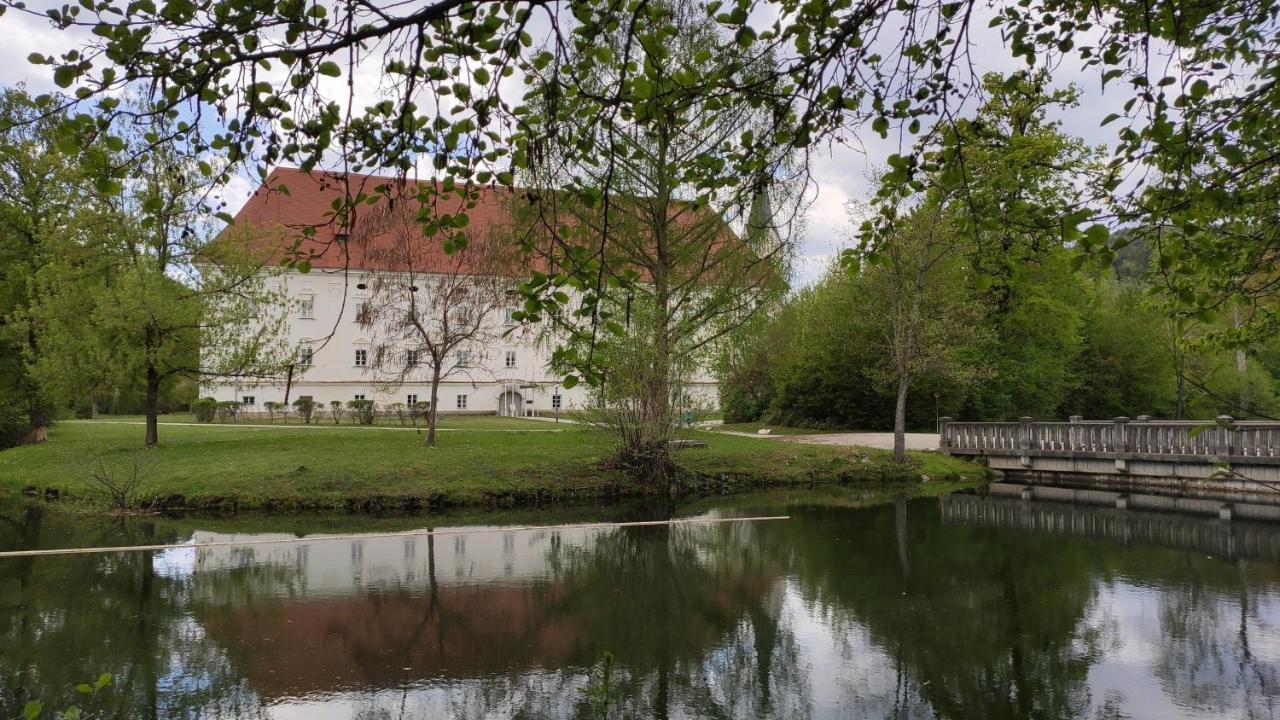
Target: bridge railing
1122, 436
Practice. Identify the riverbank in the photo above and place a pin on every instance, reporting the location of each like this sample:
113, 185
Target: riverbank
231, 468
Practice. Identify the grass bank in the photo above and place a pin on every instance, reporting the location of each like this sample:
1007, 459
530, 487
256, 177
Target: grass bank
248, 467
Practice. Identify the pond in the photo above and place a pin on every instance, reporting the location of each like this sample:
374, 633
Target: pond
855, 607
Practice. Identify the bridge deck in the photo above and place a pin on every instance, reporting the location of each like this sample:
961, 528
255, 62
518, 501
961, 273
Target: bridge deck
1223, 456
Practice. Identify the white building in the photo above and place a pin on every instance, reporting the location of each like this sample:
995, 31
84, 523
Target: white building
508, 375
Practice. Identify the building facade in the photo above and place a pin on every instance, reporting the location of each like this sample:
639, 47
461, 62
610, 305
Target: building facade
505, 371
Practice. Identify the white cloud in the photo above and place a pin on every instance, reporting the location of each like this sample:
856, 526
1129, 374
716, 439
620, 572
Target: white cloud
25, 34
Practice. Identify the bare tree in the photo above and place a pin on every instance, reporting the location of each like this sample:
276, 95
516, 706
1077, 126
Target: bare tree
432, 314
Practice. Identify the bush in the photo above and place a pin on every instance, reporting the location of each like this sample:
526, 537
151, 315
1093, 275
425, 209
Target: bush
420, 409
335, 409
228, 410
84, 409
306, 407
204, 409
364, 411
123, 484
272, 408
740, 405
399, 410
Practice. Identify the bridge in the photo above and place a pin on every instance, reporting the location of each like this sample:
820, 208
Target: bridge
1224, 458
1254, 541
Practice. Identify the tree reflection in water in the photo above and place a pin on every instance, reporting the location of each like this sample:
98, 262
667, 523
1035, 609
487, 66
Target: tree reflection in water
895, 611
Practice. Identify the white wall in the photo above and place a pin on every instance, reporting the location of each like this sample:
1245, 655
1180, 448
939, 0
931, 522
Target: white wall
334, 335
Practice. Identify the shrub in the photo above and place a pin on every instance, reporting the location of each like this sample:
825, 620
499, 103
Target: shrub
272, 407
123, 484
306, 407
363, 411
228, 409
399, 410
335, 409
419, 409
740, 405
204, 409
84, 409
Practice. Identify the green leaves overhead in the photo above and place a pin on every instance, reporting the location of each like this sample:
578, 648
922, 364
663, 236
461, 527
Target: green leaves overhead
1194, 141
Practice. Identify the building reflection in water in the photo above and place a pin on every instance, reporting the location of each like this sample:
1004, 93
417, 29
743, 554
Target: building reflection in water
955, 608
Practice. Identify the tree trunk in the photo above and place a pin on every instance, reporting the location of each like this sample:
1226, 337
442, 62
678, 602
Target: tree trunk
153, 405
900, 420
1180, 410
433, 412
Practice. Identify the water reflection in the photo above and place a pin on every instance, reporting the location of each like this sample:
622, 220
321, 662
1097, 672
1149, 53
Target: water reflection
960, 608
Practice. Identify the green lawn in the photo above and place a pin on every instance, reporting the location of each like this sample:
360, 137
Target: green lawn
490, 422
254, 467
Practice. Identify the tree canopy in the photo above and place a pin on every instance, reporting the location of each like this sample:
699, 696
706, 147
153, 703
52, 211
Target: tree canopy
256, 84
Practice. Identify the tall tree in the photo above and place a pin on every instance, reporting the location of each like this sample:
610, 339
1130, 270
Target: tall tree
918, 301
1012, 179
39, 200
156, 295
686, 258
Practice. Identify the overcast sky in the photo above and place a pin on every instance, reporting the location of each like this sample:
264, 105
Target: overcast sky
841, 173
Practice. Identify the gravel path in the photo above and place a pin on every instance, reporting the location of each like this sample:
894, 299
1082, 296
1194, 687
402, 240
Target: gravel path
883, 440
915, 441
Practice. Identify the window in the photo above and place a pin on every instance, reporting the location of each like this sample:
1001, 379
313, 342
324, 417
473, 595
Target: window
362, 357
358, 397
555, 402
464, 358
511, 358
307, 307
305, 354
509, 316
248, 400
341, 237
411, 358
462, 402
411, 399
363, 313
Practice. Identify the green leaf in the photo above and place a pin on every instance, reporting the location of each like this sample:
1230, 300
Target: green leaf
64, 76
32, 710
1097, 235
329, 68
570, 382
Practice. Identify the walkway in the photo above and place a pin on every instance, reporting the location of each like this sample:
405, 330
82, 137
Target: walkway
881, 440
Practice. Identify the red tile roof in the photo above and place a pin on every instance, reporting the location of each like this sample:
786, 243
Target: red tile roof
308, 202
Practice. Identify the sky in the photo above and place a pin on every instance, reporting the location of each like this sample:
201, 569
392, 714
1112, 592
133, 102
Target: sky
840, 172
